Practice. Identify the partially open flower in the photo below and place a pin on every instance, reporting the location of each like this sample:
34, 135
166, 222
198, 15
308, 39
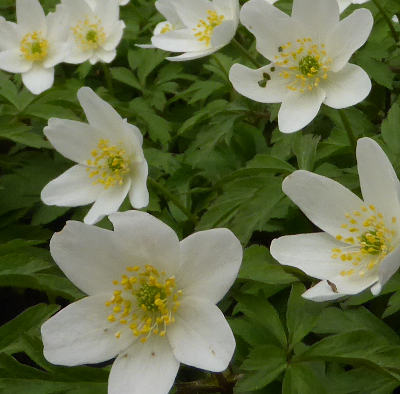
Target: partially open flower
195, 27
309, 54
33, 45
95, 30
151, 300
359, 247
109, 156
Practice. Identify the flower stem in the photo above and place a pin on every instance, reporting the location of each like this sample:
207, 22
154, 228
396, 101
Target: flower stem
245, 52
108, 78
169, 196
349, 130
387, 19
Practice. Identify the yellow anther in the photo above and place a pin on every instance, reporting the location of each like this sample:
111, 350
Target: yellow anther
153, 297
205, 28
89, 34
109, 165
34, 47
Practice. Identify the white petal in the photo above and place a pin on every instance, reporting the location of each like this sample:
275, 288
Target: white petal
99, 113
38, 79
349, 35
81, 333
246, 81
320, 16
132, 129
181, 40
139, 195
75, 55
299, 109
103, 55
210, 263
343, 4
223, 34
58, 26
57, 53
74, 140
148, 240
30, 16
167, 8
324, 201
229, 8
270, 26
144, 368
12, 61
387, 269
108, 201
378, 180
346, 87
201, 336
309, 252
192, 55
89, 256
191, 11
10, 36
115, 36
71, 189
354, 284
321, 292
108, 12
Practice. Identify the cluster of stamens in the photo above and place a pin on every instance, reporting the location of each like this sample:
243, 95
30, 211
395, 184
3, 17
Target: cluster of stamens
370, 241
34, 47
205, 28
303, 64
89, 34
167, 27
144, 302
109, 165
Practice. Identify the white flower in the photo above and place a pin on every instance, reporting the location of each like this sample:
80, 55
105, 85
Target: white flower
33, 45
151, 300
309, 52
95, 30
343, 4
359, 246
110, 160
195, 27
123, 2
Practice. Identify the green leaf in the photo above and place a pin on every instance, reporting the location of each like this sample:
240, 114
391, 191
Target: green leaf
301, 315
265, 364
302, 378
27, 320
260, 310
390, 129
258, 265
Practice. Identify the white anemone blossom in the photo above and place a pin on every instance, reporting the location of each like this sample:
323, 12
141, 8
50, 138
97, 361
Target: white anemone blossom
152, 300
33, 45
109, 156
343, 4
123, 2
195, 27
95, 30
309, 54
359, 247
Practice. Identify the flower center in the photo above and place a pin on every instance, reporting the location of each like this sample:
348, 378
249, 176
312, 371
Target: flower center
34, 47
309, 65
88, 34
145, 302
205, 28
108, 165
303, 64
372, 241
